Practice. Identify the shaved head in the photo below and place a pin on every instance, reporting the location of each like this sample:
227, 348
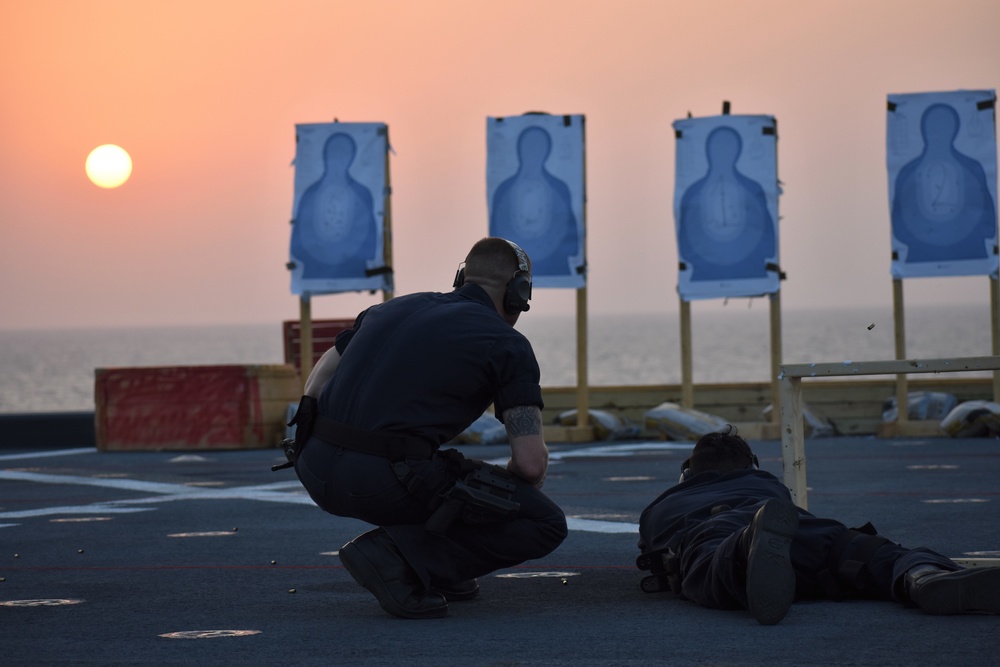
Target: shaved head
491, 264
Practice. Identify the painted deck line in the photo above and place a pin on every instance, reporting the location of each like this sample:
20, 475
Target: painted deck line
619, 449
595, 526
46, 454
276, 492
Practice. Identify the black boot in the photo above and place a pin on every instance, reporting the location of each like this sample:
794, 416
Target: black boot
938, 591
376, 563
766, 545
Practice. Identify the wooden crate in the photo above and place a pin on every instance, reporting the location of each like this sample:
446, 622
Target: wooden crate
193, 407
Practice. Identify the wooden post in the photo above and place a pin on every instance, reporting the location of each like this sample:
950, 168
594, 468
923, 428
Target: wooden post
899, 322
775, 355
305, 338
995, 321
387, 222
687, 385
793, 449
582, 381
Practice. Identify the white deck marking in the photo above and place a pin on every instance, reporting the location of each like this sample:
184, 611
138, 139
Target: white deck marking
167, 493
620, 449
46, 454
594, 526
289, 492
96, 508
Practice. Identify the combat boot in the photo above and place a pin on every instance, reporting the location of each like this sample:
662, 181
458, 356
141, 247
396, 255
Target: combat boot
939, 591
766, 547
376, 563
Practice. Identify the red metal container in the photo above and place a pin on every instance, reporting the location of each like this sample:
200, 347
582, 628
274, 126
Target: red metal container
193, 407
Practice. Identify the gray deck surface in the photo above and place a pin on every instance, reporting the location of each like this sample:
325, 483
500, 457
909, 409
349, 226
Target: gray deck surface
215, 544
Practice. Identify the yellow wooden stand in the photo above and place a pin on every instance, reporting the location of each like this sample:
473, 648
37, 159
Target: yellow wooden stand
757, 430
582, 431
903, 426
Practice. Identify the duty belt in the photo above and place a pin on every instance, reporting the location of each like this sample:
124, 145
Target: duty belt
393, 446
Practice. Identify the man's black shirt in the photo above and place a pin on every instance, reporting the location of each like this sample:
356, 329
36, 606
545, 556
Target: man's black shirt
429, 364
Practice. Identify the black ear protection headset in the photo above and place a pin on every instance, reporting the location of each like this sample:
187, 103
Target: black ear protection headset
518, 290
686, 473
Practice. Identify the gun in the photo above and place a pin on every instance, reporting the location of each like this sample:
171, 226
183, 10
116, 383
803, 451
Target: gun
303, 421
485, 495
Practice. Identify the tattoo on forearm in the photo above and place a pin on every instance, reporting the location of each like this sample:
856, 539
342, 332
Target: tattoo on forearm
523, 420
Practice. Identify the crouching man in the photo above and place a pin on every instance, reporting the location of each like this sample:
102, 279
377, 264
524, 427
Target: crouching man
410, 375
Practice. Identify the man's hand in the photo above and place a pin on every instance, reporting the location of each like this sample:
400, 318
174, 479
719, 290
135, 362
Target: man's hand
529, 456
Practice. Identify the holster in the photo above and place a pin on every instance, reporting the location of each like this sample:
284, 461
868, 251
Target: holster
484, 495
303, 421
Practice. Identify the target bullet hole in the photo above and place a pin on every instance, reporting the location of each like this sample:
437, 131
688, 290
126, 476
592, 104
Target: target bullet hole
79, 551
235, 529
3, 579
565, 582
17, 555
291, 590
274, 562
871, 326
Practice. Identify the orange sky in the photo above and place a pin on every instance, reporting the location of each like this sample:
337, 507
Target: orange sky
205, 97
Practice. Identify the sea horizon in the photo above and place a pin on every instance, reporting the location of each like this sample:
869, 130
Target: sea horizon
52, 370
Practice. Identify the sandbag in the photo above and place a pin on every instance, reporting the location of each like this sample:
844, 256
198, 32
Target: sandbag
815, 425
607, 426
973, 419
921, 406
487, 430
676, 422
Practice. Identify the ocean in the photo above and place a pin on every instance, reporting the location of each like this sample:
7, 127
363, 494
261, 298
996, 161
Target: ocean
53, 370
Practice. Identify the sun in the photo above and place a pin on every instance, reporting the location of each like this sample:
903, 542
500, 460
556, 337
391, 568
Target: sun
108, 166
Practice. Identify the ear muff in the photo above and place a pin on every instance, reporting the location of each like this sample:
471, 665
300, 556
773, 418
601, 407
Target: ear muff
685, 470
518, 291
517, 294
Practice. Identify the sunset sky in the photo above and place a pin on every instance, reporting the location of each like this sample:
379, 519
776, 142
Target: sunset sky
205, 95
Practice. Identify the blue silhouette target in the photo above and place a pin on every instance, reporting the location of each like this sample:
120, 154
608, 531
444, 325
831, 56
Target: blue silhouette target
726, 206
941, 158
535, 190
338, 213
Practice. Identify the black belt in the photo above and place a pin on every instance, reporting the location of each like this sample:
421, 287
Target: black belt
393, 446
